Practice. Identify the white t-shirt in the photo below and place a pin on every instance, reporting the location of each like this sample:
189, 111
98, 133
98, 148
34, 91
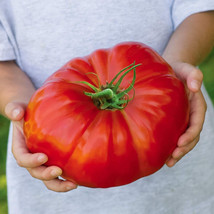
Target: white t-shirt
42, 36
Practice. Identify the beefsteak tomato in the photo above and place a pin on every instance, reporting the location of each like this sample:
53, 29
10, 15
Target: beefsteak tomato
109, 118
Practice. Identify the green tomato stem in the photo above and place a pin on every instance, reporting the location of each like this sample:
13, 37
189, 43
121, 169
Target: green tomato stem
110, 97
106, 93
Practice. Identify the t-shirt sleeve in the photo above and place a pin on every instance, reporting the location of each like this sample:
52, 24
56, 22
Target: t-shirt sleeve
6, 49
183, 8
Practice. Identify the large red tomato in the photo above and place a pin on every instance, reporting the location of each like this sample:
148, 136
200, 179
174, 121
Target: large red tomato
104, 127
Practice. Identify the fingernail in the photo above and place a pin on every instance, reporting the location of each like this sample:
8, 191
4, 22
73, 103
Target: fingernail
195, 84
16, 112
55, 173
41, 158
172, 163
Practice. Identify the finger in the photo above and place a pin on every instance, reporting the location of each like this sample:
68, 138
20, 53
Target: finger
45, 173
58, 185
189, 74
15, 111
171, 162
180, 152
29, 160
194, 80
197, 116
23, 157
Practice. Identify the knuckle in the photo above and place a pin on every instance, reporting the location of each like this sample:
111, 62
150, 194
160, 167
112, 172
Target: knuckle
192, 145
13, 152
32, 173
48, 186
197, 139
199, 130
20, 162
190, 148
184, 151
191, 136
199, 74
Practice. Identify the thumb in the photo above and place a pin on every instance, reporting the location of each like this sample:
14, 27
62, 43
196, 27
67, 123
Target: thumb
194, 79
15, 111
191, 75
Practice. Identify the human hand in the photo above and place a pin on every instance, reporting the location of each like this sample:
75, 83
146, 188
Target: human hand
33, 162
192, 78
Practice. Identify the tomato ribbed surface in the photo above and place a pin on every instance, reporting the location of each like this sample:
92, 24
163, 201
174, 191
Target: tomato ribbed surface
106, 148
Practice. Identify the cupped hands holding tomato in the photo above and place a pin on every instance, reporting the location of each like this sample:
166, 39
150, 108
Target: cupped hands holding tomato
112, 117
93, 142
33, 162
193, 78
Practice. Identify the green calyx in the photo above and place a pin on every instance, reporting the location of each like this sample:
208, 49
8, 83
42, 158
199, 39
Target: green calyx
110, 96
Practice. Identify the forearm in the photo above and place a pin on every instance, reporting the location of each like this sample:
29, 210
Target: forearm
15, 86
192, 40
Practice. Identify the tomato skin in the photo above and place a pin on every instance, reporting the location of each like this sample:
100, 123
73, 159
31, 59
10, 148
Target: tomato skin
106, 148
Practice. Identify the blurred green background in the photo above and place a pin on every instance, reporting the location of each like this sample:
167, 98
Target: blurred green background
207, 67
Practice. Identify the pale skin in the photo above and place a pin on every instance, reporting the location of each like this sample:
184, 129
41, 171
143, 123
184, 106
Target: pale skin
188, 46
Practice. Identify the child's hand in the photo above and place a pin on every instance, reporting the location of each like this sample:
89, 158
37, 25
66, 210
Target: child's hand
192, 77
33, 162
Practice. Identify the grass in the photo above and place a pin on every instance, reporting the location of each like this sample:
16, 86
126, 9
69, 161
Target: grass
4, 124
207, 67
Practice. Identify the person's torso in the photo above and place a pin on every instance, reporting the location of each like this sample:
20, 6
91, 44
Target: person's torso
46, 34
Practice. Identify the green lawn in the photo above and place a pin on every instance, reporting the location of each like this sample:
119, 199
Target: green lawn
3, 146
207, 67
